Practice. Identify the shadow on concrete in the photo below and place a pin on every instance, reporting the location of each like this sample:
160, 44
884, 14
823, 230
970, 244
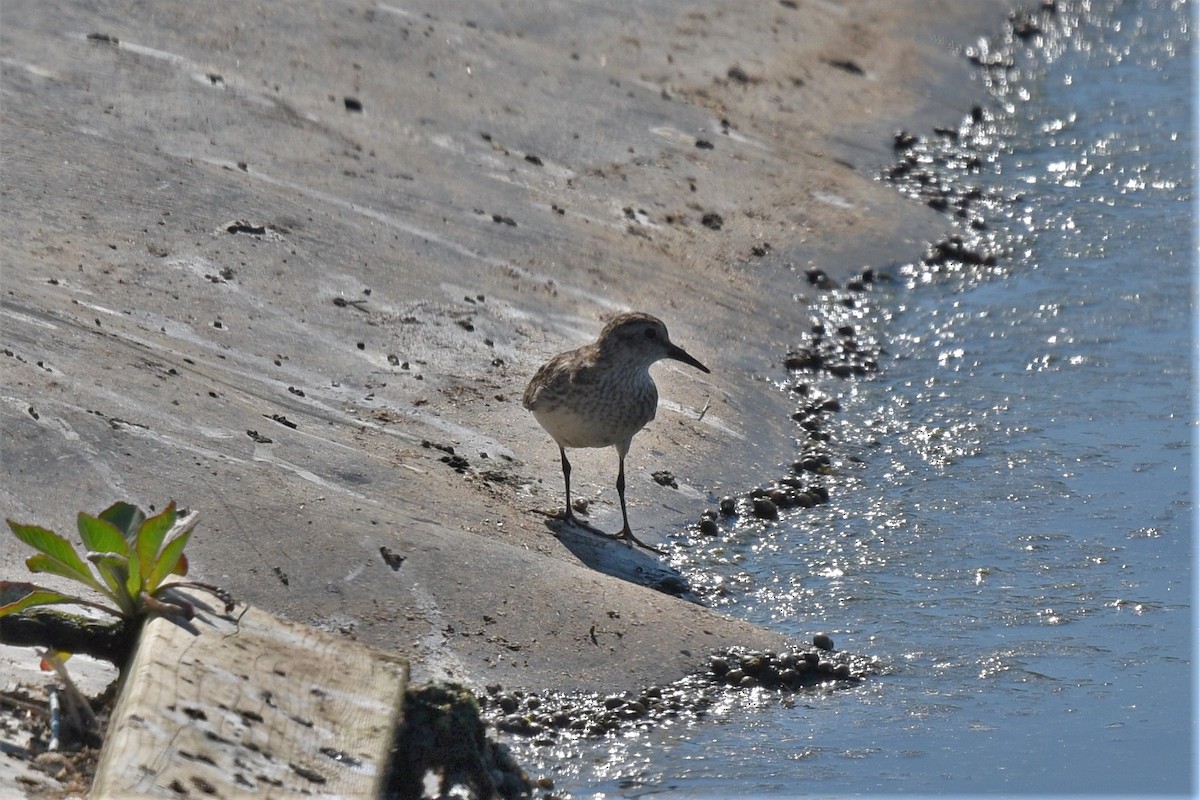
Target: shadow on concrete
616, 558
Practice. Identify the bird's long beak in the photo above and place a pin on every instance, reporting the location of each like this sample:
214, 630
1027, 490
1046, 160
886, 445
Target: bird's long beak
679, 354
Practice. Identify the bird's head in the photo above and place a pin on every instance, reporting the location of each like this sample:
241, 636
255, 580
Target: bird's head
642, 337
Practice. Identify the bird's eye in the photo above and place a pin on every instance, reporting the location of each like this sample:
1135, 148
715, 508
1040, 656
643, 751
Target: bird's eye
651, 333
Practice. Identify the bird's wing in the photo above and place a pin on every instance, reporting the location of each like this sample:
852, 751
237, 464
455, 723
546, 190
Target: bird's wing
566, 371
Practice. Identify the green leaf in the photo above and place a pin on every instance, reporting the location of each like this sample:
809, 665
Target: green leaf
150, 538
40, 562
125, 517
171, 560
101, 536
57, 555
114, 568
33, 595
133, 581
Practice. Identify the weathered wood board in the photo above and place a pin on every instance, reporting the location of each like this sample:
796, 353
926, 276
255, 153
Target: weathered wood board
260, 706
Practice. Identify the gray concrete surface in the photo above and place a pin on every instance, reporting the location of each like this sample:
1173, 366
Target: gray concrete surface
255, 256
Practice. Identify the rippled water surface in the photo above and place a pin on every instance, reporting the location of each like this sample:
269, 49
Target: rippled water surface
1012, 528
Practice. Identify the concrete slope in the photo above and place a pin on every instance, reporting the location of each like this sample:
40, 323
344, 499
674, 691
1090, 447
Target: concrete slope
293, 264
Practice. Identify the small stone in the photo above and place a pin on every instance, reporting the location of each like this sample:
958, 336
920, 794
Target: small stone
671, 584
903, 140
728, 506
514, 723
803, 359
709, 527
823, 641
841, 370
753, 665
765, 509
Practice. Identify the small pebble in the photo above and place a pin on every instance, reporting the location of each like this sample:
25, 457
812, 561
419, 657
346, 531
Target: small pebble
765, 509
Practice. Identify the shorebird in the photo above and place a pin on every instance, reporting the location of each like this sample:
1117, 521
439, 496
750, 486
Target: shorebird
602, 394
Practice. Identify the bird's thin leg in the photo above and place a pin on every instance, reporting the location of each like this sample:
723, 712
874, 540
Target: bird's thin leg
568, 515
626, 532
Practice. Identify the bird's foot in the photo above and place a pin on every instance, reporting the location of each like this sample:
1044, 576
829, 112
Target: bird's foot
566, 516
631, 540
562, 515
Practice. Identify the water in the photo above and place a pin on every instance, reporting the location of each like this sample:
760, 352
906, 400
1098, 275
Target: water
1012, 528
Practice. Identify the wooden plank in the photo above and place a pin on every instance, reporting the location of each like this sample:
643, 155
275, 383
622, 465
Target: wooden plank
259, 706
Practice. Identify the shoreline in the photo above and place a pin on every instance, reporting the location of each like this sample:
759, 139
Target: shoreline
478, 191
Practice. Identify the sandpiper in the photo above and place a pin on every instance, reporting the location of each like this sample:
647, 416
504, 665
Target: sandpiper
602, 394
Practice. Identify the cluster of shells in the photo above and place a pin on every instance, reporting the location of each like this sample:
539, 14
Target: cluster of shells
548, 716
765, 502
791, 669
837, 350
938, 169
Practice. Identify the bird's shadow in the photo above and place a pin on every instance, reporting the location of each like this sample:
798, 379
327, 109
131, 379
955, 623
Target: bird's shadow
616, 558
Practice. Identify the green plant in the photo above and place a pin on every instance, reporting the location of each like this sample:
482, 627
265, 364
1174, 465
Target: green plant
129, 558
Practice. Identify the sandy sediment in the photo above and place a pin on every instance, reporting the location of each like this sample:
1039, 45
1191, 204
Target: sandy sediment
293, 264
